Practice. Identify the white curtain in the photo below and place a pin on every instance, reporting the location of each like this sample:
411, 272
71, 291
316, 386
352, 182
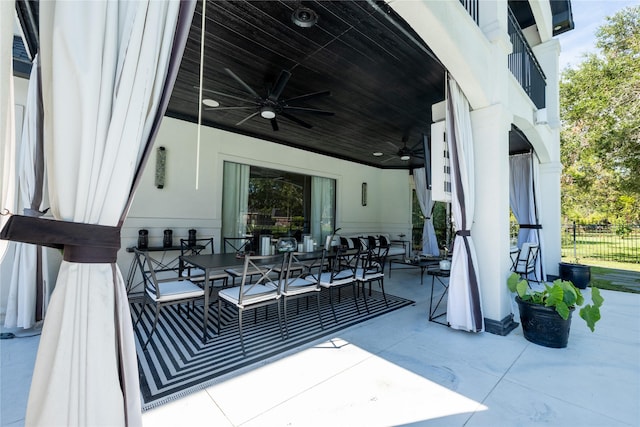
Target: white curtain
522, 198
323, 196
7, 118
235, 199
464, 305
429, 240
104, 82
28, 290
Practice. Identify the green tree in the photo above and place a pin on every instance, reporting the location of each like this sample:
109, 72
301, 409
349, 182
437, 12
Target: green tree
600, 136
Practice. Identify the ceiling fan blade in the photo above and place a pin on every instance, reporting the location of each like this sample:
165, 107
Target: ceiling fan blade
391, 144
388, 159
227, 95
395, 147
308, 110
252, 107
274, 124
242, 83
247, 118
279, 86
296, 120
418, 144
308, 96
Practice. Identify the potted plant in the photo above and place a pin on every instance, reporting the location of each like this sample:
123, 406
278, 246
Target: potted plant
576, 273
546, 314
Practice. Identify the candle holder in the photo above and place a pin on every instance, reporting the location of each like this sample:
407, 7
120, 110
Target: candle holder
167, 241
143, 239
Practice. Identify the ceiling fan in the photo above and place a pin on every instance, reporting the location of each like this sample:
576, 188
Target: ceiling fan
406, 153
271, 106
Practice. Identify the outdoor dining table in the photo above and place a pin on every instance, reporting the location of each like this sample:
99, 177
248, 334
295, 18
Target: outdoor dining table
224, 261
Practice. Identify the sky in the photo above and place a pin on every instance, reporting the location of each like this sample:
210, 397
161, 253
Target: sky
588, 15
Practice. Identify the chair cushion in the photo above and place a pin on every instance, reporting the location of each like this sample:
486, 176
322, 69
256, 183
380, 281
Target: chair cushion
300, 286
253, 294
342, 278
176, 290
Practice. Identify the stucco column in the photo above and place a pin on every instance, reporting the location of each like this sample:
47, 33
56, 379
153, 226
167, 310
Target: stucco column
549, 212
549, 171
490, 229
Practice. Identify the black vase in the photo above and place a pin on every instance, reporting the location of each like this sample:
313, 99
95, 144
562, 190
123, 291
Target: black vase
167, 241
192, 237
578, 274
143, 239
543, 325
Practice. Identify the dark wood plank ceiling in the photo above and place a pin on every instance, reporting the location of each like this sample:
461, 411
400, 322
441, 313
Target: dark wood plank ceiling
383, 79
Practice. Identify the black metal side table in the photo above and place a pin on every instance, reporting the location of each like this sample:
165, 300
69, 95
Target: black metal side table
433, 310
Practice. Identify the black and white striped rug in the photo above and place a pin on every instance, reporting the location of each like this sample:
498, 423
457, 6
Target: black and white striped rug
176, 362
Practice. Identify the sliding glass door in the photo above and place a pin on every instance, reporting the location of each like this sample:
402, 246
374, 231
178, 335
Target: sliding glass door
261, 201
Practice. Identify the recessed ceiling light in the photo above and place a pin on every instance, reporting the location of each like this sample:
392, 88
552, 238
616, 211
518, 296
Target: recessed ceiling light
210, 102
377, 154
405, 157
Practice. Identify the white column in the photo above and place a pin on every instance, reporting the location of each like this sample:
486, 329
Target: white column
549, 172
547, 55
549, 211
490, 230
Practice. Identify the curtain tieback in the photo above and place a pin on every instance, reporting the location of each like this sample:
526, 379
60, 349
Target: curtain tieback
532, 226
427, 217
463, 233
82, 243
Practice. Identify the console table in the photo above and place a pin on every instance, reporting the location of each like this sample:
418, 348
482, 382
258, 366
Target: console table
423, 264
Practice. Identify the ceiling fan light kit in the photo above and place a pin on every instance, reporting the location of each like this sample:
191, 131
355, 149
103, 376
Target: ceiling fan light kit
272, 106
267, 112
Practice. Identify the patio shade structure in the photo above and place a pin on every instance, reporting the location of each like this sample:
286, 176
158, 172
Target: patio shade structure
28, 293
423, 192
522, 198
104, 95
464, 310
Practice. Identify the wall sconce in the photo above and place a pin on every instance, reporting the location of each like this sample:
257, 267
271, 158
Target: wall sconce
161, 161
364, 194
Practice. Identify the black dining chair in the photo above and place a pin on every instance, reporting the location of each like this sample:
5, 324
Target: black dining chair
342, 273
163, 288
252, 294
300, 280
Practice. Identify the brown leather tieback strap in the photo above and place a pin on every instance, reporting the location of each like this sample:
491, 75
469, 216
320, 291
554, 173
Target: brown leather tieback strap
463, 233
82, 243
531, 226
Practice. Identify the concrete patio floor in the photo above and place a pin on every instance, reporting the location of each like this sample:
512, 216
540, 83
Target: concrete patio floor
401, 369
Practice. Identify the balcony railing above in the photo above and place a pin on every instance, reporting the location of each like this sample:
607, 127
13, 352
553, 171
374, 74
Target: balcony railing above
472, 7
524, 66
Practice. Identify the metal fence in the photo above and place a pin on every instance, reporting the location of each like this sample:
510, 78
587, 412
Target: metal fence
605, 242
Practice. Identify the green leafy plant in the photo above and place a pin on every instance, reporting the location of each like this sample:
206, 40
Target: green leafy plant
562, 295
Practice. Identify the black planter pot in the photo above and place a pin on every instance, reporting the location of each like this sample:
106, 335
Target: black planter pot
543, 325
578, 274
